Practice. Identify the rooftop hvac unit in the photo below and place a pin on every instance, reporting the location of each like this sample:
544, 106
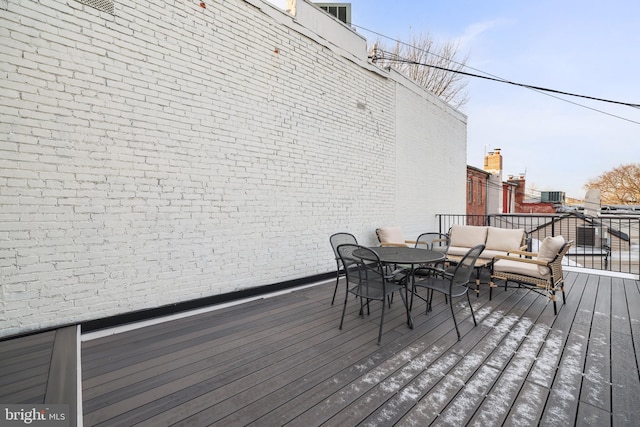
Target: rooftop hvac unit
586, 236
552, 197
342, 11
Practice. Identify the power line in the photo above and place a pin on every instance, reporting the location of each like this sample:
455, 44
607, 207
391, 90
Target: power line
488, 76
497, 79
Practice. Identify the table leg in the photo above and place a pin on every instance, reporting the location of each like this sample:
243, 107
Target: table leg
406, 293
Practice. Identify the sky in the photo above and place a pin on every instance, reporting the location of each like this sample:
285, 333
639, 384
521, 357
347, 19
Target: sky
587, 47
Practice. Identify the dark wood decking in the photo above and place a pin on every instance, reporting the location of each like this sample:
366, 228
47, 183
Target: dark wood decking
24, 368
282, 360
41, 369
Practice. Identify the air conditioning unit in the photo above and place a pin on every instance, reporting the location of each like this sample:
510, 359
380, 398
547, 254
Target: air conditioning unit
342, 11
586, 235
552, 197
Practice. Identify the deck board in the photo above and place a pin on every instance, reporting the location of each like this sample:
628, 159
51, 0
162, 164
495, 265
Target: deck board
24, 368
283, 360
624, 367
597, 371
298, 369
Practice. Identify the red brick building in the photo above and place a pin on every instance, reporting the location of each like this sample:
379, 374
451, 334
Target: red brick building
487, 194
477, 187
521, 206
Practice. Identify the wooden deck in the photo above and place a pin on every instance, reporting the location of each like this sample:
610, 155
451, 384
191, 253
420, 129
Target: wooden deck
283, 361
41, 369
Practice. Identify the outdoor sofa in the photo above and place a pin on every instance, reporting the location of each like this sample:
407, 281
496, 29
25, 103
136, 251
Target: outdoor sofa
497, 241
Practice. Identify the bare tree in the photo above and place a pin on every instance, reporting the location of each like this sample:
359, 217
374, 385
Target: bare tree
619, 186
432, 66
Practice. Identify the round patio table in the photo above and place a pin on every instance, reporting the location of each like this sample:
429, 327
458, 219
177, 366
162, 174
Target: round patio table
404, 256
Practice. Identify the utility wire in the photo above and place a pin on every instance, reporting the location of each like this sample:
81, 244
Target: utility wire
488, 76
394, 58
535, 88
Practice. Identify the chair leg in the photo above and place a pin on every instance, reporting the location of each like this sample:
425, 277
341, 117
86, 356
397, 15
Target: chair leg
381, 322
336, 288
361, 312
471, 308
344, 309
405, 301
413, 291
454, 319
362, 305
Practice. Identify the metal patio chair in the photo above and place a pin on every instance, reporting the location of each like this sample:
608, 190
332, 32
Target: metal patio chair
452, 284
369, 281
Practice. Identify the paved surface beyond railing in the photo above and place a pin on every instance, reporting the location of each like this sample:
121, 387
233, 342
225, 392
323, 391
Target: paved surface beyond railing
608, 242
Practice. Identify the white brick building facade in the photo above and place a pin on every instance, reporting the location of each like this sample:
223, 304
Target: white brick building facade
169, 152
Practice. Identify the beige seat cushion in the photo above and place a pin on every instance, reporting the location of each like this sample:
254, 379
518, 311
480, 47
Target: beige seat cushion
391, 235
457, 250
549, 248
485, 254
524, 268
504, 239
490, 253
467, 236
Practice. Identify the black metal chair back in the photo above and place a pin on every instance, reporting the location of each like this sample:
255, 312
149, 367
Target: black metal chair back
336, 240
434, 241
464, 269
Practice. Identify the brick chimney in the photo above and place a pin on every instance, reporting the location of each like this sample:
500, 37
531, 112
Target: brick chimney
493, 162
519, 181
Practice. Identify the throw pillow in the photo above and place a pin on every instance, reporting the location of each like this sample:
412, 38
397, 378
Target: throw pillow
390, 235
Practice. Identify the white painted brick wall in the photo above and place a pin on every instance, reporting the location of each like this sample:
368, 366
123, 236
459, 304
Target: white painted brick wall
168, 153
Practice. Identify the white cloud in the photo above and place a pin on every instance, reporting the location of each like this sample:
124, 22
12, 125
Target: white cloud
474, 31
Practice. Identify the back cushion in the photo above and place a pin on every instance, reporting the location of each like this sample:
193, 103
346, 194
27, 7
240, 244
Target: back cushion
390, 234
467, 235
503, 239
549, 248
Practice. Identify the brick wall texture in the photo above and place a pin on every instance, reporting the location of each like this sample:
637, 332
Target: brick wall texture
169, 152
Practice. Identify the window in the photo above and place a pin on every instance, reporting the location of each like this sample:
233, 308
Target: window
342, 11
470, 189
